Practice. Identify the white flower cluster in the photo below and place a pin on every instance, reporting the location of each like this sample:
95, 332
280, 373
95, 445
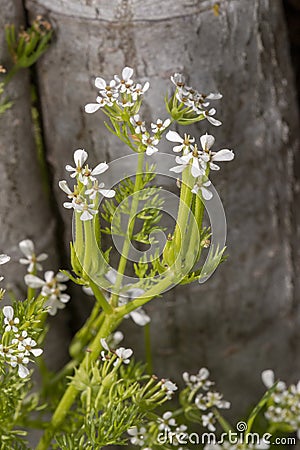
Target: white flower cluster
120, 92
143, 136
194, 101
284, 404
200, 161
18, 345
85, 196
203, 397
52, 288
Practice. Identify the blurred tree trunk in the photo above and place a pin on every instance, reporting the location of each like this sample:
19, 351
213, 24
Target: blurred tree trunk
246, 318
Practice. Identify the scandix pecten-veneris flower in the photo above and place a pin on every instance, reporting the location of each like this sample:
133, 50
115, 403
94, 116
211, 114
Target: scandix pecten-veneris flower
102, 396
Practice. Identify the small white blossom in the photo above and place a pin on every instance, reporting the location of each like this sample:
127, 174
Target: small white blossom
27, 346
209, 157
32, 260
206, 193
89, 174
209, 116
139, 90
124, 354
191, 160
166, 422
208, 421
185, 142
88, 210
9, 320
150, 142
169, 387
90, 108
80, 157
160, 125
138, 435
20, 361
138, 124
125, 82
98, 188
3, 260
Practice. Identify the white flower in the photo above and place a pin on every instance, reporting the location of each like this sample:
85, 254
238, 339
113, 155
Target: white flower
208, 421
52, 288
185, 142
138, 124
87, 209
198, 381
6, 352
208, 157
98, 189
138, 90
3, 260
178, 79
27, 346
125, 82
89, 174
208, 114
191, 159
20, 360
124, 354
150, 143
72, 195
160, 125
167, 421
169, 386
9, 320
90, 108
105, 88
138, 435
207, 195
80, 157
27, 248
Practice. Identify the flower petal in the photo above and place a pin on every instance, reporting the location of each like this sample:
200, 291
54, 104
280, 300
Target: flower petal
27, 247
178, 169
127, 73
173, 136
80, 157
4, 259
207, 141
90, 108
214, 121
100, 168
23, 371
109, 193
8, 312
207, 195
36, 351
100, 83
64, 187
33, 281
223, 155
140, 317
268, 378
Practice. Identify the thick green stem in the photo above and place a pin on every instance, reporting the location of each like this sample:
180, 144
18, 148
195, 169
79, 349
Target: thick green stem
110, 323
130, 227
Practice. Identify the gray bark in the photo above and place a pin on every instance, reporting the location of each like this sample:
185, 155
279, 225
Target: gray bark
246, 318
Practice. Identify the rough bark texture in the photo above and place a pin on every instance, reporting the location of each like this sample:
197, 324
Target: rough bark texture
246, 318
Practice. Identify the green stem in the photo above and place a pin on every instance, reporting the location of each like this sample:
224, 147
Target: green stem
110, 323
130, 226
